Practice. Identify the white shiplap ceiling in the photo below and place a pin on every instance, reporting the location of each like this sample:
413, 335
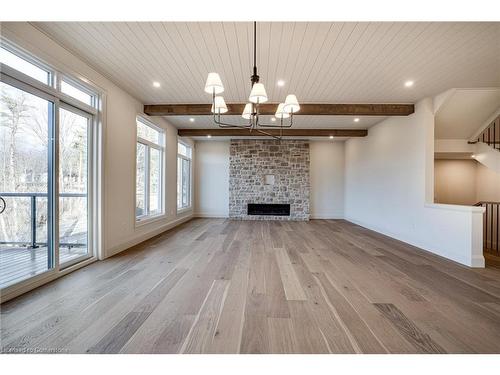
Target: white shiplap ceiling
319, 62
465, 111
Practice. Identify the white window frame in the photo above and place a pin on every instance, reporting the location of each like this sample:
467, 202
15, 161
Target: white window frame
51, 91
190, 182
94, 100
30, 58
147, 217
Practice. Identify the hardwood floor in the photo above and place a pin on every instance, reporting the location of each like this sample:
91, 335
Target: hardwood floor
221, 286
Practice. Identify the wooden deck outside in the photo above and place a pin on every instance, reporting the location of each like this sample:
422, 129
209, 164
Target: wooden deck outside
19, 263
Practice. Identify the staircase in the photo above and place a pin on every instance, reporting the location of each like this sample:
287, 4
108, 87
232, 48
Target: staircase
487, 146
490, 135
491, 232
491, 226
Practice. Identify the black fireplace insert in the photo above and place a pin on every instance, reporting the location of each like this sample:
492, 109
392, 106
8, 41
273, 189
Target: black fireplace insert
268, 209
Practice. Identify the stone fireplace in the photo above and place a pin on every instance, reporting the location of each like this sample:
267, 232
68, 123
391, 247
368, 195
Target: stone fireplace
269, 172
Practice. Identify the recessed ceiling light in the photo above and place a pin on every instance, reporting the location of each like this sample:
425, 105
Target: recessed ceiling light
191, 119
280, 83
409, 83
156, 84
209, 136
273, 119
356, 119
331, 137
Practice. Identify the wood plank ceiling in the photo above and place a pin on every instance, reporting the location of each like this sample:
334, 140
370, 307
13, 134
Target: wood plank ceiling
354, 62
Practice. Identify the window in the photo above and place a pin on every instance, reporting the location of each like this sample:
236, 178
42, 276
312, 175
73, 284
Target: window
149, 176
23, 65
76, 92
183, 176
53, 139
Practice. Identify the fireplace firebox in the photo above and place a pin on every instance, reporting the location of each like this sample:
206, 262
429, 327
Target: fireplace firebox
268, 209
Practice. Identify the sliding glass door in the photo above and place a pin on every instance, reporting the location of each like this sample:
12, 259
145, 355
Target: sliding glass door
75, 131
45, 153
26, 188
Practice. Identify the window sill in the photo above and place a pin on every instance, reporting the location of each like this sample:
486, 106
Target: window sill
149, 219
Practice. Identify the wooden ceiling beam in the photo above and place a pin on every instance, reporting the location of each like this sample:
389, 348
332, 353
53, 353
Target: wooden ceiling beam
286, 132
318, 109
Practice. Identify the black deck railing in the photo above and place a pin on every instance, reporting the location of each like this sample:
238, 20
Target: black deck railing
490, 135
491, 226
33, 243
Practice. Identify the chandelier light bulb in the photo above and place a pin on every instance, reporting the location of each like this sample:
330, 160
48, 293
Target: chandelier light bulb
258, 93
214, 84
220, 105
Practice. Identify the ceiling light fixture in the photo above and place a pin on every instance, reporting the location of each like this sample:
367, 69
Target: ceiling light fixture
356, 119
209, 136
191, 119
331, 137
280, 83
156, 84
409, 83
258, 95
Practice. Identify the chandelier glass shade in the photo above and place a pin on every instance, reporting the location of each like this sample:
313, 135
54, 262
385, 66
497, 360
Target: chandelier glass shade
251, 111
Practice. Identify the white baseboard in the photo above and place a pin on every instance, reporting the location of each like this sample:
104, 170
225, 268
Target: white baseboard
135, 241
222, 215
327, 216
215, 215
225, 215
479, 262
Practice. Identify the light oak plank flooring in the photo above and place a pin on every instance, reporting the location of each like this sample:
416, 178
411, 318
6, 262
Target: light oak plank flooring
222, 286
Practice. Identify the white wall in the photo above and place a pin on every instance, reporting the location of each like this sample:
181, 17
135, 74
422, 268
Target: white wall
389, 188
119, 136
455, 181
488, 156
212, 179
465, 182
487, 184
327, 180
453, 145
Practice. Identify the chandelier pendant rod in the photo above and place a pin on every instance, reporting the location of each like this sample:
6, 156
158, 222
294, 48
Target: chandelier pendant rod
257, 95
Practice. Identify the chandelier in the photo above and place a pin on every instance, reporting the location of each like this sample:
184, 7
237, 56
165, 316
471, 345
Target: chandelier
284, 111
